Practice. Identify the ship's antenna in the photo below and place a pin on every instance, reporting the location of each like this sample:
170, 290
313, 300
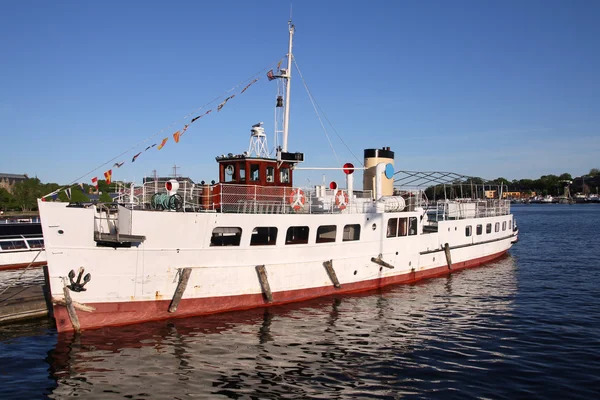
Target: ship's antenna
288, 76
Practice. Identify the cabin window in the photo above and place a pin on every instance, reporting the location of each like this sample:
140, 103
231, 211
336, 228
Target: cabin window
510, 224
264, 236
402, 226
479, 229
284, 175
297, 235
488, 228
326, 234
254, 172
36, 243
229, 173
351, 232
504, 225
412, 226
242, 174
497, 227
392, 228
226, 236
13, 245
270, 174
468, 230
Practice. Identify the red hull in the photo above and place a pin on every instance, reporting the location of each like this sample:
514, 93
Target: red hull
23, 265
115, 314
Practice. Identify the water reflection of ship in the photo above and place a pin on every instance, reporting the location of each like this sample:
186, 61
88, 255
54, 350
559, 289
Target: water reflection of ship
324, 337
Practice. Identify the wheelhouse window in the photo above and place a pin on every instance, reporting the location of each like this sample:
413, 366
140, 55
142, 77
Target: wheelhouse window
284, 175
326, 233
504, 225
497, 227
468, 230
270, 174
230, 173
412, 226
479, 229
392, 228
264, 236
297, 235
488, 228
226, 236
254, 172
242, 173
351, 232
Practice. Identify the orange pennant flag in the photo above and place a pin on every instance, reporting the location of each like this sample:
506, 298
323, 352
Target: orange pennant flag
108, 176
164, 141
176, 136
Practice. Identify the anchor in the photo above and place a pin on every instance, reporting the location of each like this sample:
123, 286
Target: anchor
77, 286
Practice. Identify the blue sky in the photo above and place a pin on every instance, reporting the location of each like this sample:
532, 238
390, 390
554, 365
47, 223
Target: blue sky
485, 88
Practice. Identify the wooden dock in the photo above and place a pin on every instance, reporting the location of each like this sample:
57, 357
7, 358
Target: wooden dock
22, 303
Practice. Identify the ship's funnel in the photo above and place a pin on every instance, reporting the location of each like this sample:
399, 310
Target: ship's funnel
373, 157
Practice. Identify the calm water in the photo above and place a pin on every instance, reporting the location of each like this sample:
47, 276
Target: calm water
527, 326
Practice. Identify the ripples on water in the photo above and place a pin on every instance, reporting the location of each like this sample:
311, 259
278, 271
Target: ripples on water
526, 326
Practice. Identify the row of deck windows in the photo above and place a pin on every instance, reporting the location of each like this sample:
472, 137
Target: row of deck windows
402, 227
267, 235
488, 228
20, 244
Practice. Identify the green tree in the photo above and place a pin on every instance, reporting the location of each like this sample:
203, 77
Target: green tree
7, 201
594, 172
105, 198
27, 192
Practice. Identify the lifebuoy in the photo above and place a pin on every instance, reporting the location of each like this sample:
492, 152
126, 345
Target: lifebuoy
341, 199
297, 199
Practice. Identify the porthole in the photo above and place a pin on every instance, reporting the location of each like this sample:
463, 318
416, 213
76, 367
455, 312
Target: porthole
410, 263
455, 228
374, 226
433, 258
355, 272
60, 231
448, 229
380, 269
396, 253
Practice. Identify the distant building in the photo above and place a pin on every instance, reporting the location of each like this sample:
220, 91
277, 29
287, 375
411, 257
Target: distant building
8, 181
490, 194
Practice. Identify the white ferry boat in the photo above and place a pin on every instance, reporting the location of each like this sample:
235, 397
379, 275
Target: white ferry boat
22, 251
255, 239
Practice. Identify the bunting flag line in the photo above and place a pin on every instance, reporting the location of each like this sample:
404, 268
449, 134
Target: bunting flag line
95, 182
108, 176
270, 75
279, 65
149, 147
248, 85
118, 165
224, 101
82, 189
176, 136
137, 155
200, 116
68, 193
164, 141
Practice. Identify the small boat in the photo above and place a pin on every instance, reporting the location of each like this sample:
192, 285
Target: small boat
22, 251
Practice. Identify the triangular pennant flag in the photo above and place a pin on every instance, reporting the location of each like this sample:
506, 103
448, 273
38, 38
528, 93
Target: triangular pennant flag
248, 85
108, 176
136, 156
95, 182
200, 116
176, 136
149, 147
118, 165
270, 75
164, 141
68, 193
279, 65
224, 101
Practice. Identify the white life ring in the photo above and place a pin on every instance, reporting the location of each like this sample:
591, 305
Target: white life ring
341, 199
297, 199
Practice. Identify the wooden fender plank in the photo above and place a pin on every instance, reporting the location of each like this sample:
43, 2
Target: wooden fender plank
264, 282
184, 277
331, 272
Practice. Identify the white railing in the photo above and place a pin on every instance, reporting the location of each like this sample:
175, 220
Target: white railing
469, 208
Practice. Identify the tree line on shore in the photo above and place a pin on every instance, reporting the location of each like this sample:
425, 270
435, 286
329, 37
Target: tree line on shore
24, 194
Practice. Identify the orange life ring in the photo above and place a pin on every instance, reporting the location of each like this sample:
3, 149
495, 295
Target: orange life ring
297, 199
341, 199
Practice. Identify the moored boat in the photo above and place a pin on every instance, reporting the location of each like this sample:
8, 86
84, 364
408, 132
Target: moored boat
255, 239
21, 251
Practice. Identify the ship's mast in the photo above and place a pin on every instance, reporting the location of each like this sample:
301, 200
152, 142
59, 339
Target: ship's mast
287, 76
